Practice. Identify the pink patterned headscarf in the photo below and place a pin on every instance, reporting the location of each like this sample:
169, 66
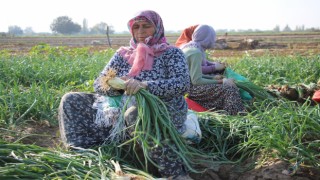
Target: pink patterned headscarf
141, 55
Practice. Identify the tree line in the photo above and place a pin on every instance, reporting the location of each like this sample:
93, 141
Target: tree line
64, 25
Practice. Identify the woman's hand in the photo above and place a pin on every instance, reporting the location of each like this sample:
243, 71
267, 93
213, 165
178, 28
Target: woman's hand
217, 77
219, 66
228, 82
132, 86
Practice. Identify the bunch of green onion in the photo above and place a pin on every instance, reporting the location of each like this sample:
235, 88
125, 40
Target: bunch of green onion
254, 90
244, 84
154, 127
19, 161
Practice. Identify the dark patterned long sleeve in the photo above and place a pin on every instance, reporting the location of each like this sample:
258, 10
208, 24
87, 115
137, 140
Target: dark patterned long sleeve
114, 64
175, 76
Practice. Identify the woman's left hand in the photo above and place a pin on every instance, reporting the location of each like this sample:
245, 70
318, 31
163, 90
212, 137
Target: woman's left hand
219, 66
132, 86
218, 77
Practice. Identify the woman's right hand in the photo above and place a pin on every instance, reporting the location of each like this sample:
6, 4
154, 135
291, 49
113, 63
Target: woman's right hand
228, 82
132, 86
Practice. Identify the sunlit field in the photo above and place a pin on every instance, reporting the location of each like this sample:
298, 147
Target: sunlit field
279, 129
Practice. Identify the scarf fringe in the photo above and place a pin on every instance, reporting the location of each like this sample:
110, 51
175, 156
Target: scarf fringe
109, 114
118, 132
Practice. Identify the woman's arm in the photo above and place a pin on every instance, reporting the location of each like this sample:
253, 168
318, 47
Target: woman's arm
207, 69
196, 75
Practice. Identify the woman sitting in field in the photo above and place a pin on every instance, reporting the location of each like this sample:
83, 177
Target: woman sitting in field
148, 63
207, 67
209, 92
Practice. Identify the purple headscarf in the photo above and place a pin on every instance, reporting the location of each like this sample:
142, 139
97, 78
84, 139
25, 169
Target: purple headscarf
141, 55
203, 38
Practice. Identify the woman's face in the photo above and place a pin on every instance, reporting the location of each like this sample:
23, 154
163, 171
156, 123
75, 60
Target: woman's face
142, 29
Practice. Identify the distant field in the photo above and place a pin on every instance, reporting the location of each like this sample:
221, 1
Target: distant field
284, 43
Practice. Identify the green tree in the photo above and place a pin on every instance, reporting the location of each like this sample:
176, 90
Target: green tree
276, 29
85, 29
64, 25
15, 30
287, 28
28, 31
102, 28
300, 28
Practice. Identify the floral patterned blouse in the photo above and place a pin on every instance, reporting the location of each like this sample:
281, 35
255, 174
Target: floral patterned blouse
169, 80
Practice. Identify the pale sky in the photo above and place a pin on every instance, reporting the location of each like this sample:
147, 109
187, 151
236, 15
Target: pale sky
176, 14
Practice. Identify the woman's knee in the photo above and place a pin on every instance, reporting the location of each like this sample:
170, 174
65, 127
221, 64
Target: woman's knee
70, 96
